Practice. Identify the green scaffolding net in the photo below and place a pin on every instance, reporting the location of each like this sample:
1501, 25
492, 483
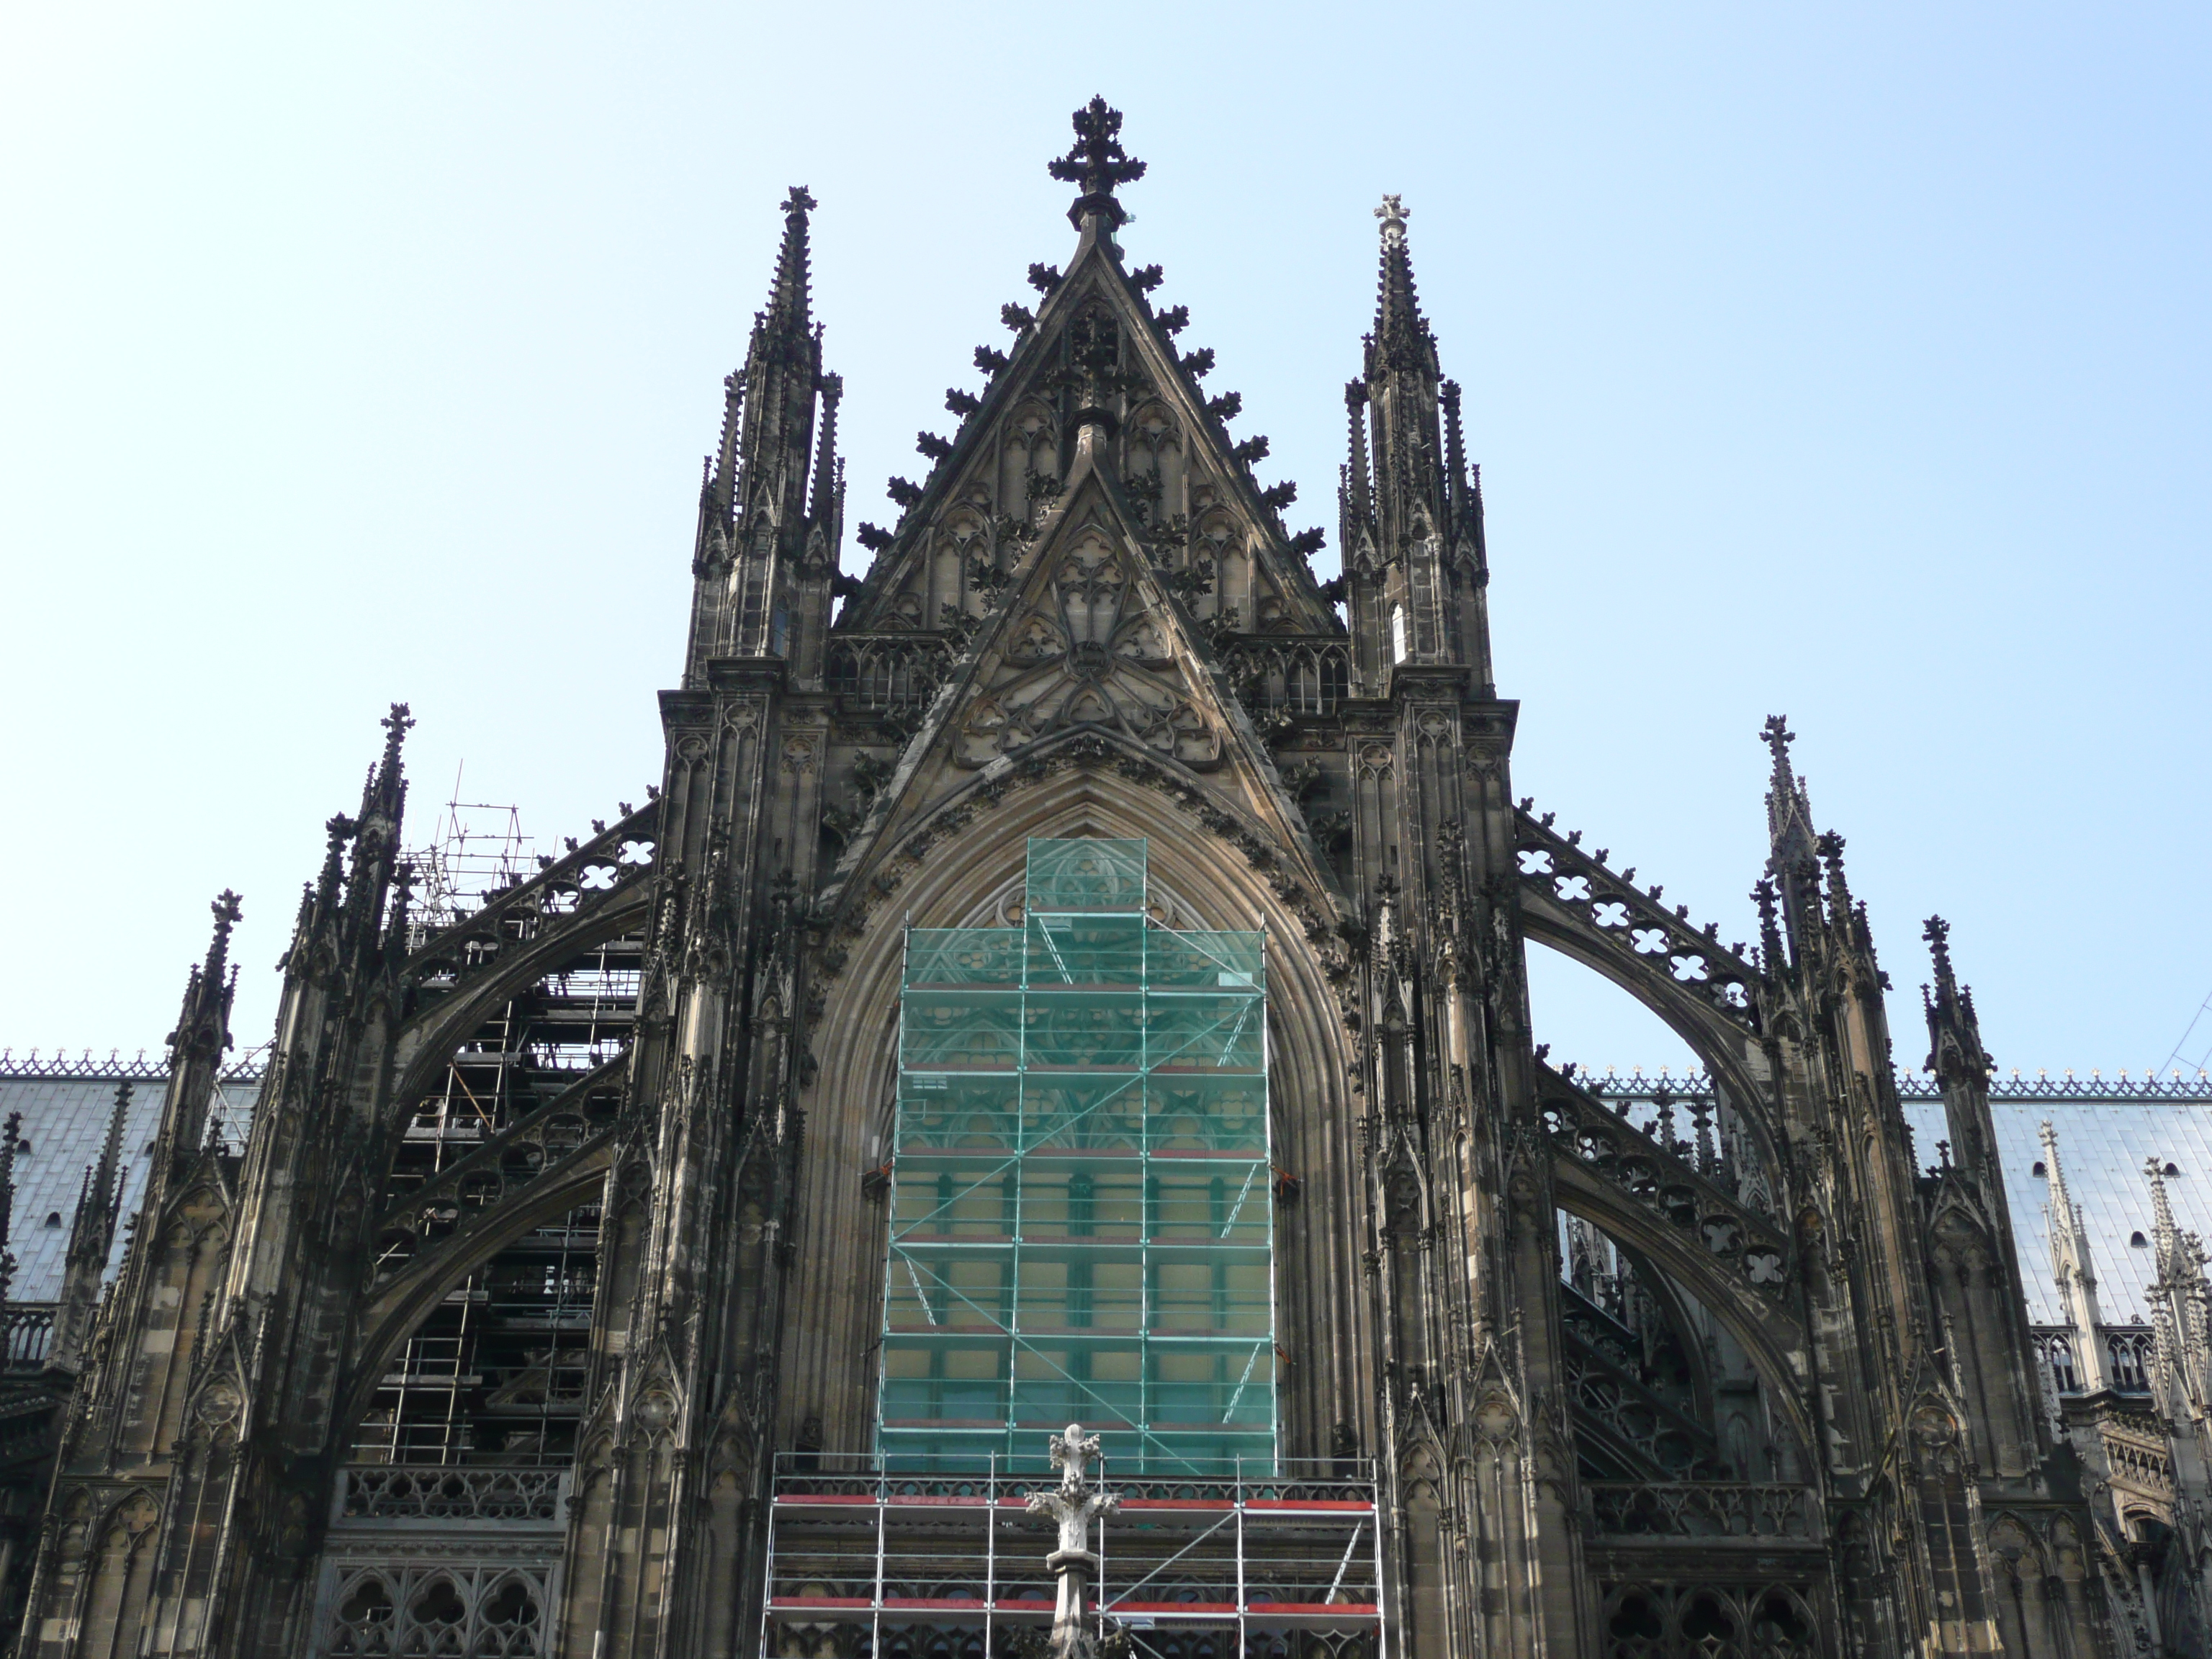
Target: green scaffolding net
1082, 1227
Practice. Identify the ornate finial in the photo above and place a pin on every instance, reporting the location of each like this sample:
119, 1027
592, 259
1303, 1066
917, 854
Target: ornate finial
1937, 932
799, 200
1095, 163
227, 912
1777, 736
1393, 213
396, 724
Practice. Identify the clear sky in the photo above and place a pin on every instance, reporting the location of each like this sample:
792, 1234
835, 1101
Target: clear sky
1844, 361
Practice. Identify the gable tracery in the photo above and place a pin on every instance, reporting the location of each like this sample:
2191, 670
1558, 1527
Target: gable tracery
1087, 648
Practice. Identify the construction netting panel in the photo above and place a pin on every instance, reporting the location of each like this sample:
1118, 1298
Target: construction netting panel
1082, 1226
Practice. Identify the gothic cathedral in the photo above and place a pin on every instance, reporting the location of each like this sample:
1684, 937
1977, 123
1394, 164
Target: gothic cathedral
1030, 1139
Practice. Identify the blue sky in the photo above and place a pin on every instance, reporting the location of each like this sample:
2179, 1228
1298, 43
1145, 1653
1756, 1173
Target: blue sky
1849, 362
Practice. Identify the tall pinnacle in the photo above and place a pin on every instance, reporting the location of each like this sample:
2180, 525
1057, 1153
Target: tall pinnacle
2065, 1219
768, 419
789, 299
2166, 1236
1954, 1037
1402, 337
1789, 831
1095, 163
207, 997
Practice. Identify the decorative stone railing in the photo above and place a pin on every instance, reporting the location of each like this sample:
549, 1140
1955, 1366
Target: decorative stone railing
415, 1493
1756, 1511
1692, 1087
244, 1067
1289, 674
888, 673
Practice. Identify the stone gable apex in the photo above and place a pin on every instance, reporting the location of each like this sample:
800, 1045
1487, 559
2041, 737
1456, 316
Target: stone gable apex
1090, 638
1095, 347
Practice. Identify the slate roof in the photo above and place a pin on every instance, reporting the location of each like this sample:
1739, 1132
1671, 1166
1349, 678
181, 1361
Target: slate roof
65, 1121
2101, 1147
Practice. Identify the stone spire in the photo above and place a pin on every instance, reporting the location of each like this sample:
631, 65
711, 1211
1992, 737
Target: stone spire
1793, 845
2182, 1299
376, 845
760, 538
1791, 838
2166, 1236
1410, 522
203, 1033
1956, 1058
1401, 338
92, 1241
2075, 1269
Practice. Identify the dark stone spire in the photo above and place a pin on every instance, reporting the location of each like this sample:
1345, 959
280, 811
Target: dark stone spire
779, 372
1095, 164
203, 1032
1954, 1035
1401, 338
771, 506
207, 1000
789, 315
1405, 394
1791, 839
1412, 529
92, 1240
387, 792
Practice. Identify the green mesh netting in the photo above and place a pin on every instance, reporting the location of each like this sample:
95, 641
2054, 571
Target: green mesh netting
1081, 1219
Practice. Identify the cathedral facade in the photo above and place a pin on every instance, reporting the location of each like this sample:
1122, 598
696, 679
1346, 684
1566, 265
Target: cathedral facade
1075, 973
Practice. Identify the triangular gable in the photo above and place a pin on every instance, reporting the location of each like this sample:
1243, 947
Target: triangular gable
1090, 638
1095, 344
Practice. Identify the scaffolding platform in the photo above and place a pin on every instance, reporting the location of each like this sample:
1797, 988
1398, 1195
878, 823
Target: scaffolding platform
955, 1564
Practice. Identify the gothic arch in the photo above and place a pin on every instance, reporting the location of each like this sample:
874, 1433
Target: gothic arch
831, 1326
1773, 1336
391, 1316
428, 1038
1716, 1043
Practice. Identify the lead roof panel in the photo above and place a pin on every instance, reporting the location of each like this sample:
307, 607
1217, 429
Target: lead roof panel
65, 1121
2102, 1147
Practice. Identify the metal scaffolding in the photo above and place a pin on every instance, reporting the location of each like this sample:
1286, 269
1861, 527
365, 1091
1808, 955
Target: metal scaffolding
956, 1565
1082, 1225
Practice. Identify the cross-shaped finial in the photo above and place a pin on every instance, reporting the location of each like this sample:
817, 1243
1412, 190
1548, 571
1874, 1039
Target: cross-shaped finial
1393, 213
398, 723
799, 200
1777, 736
226, 910
1937, 932
1095, 164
